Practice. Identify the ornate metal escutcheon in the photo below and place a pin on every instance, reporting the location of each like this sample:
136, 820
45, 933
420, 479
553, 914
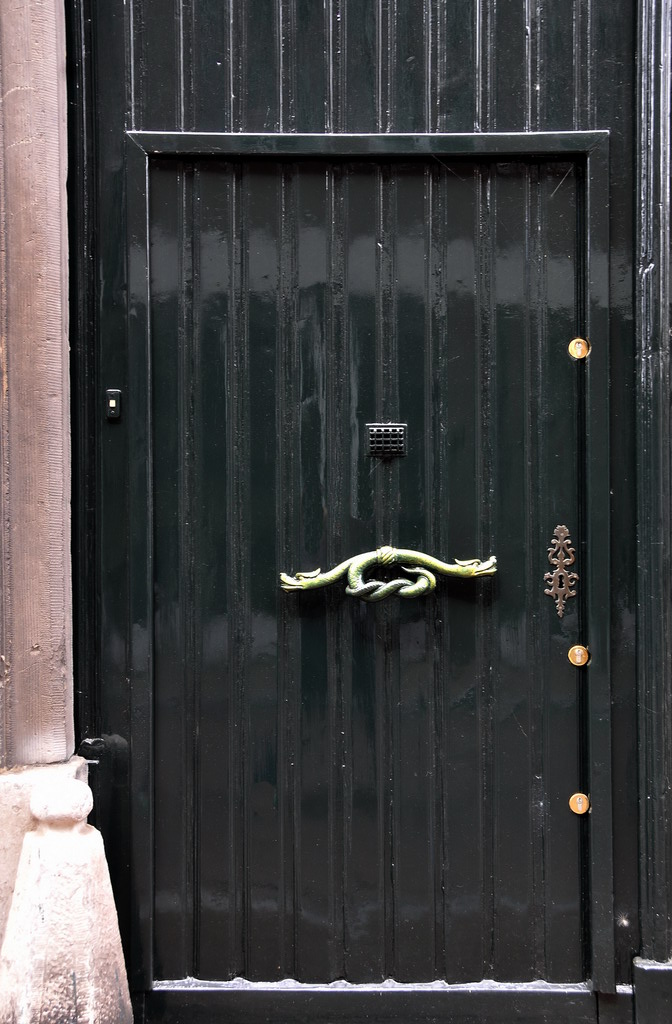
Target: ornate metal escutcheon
414, 563
561, 580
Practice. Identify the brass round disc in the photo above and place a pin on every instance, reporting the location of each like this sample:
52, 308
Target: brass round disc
579, 348
578, 655
579, 803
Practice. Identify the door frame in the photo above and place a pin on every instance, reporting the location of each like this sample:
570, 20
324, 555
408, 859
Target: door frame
590, 152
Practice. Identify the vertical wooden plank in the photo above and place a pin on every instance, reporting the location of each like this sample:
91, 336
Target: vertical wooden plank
338, 545
364, 920
484, 65
156, 71
360, 70
513, 809
597, 538
184, 15
564, 687
557, 64
386, 504
534, 546
189, 513
484, 665
510, 57
413, 874
218, 726
434, 632
409, 57
335, 65
238, 462
314, 742
258, 67
287, 501
213, 71
266, 814
457, 460
288, 41
170, 269
309, 48
454, 34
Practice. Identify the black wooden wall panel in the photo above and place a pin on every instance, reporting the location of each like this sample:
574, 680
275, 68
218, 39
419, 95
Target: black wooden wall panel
376, 65
581, 58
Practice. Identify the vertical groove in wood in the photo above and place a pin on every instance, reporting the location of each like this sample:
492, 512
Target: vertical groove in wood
330, 56
379, 59
179, 15
485, 373
386, 513
238, 577
237, 63
287, 48
385, 64
232, 77
442, 675
286, 517
478, 64
337, 35
533, 85
339, 639
195, 632
591, 106
433, 55
529, 78
485, 14
133, 120
185, 544
490, 67
536, 68
428, 65
435, 632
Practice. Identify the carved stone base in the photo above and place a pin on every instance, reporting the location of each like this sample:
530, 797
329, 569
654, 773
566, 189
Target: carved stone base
16, 787
61, 958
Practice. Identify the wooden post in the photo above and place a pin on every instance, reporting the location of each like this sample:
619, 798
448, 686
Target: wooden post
36, 618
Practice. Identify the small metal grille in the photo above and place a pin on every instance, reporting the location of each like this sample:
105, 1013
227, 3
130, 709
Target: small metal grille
387, 440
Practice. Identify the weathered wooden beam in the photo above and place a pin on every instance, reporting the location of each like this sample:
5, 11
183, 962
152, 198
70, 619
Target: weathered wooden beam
36, 614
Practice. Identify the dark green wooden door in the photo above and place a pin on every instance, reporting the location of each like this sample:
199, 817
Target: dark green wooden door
341, 809
341, 791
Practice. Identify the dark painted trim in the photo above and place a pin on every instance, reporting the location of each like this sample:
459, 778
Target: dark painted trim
500, 144
654, 498
653, 992
141, 612
83, 373
463, 1004
597, 532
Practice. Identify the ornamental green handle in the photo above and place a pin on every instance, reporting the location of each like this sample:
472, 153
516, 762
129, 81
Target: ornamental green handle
414, 563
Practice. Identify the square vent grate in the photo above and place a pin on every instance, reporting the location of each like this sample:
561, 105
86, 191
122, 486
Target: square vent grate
387, 440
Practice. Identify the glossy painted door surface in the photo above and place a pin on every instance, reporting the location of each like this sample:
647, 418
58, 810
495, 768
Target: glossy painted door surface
310, 217
345, 790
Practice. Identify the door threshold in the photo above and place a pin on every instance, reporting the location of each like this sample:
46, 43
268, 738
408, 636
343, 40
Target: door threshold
485, 1002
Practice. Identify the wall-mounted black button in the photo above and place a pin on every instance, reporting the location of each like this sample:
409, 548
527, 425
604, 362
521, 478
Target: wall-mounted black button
113, 403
